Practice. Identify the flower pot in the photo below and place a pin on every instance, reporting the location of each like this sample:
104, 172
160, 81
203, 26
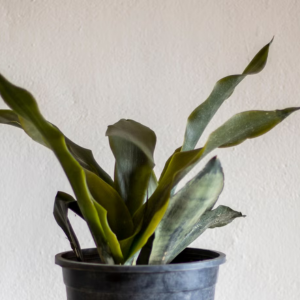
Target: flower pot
191, 276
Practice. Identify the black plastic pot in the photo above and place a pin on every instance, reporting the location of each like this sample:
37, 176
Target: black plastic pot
191, 276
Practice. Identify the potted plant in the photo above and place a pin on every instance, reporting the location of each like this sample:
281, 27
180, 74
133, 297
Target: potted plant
142, 226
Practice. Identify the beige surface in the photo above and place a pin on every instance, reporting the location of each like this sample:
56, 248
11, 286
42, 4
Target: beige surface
90, 63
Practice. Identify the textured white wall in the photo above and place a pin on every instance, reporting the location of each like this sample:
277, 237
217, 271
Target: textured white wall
90, 63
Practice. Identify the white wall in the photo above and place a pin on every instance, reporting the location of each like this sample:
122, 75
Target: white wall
90, 63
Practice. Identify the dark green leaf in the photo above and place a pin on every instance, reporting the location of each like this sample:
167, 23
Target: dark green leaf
223, 89
132, 145
60, 212
75, 208
184, 210
25, 106
145, 253
9, 117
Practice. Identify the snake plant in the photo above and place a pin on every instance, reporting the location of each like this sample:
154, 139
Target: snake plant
133, 217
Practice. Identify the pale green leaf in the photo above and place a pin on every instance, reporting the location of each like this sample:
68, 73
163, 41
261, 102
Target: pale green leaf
200, 117
184, 210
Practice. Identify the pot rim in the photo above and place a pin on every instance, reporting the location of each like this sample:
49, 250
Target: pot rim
218, 258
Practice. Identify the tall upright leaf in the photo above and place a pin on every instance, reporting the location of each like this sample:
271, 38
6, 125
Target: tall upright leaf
185, 209
25, 106
132, 145
118, 216
223, 89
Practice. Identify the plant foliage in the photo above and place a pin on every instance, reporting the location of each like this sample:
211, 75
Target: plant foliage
133, 218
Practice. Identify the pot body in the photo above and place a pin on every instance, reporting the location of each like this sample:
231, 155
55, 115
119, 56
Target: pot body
191, 276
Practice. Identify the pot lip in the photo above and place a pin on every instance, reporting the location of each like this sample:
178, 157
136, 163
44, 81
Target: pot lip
64, 262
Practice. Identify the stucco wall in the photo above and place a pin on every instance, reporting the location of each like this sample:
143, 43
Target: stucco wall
90, 63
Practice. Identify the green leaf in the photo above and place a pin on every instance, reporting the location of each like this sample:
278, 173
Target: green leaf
218, 217
144, 255
84, 156
245, 125
23, 104
86, 159
127, 243
150, 214
60, 212
111, 237
184, 210
167, 163
75, 208
254, 124
223, 89
132, 145
118, 216
152, 185
9, 117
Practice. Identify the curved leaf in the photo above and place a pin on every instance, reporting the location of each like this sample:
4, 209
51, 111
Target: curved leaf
23, 104
86, 159
112, 239
254, 124
223, 89
60, 212
185, 209
218, 217
9, 117
84, 156
245, 125
167, 163
118, 216
75, 208
132, 145
152, 185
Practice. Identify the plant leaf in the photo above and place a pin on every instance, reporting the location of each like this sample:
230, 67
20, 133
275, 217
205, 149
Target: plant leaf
23, 104
111, 237
118, 216
245, 125
223, 89
9, 117
253, 125
167, 163
60, 212
218, 217
145, 253
84, 156
132, 145
152, 185
184, 210
75, 208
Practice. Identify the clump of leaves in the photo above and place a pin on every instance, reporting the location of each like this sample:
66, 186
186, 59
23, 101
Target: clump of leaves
135, 218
